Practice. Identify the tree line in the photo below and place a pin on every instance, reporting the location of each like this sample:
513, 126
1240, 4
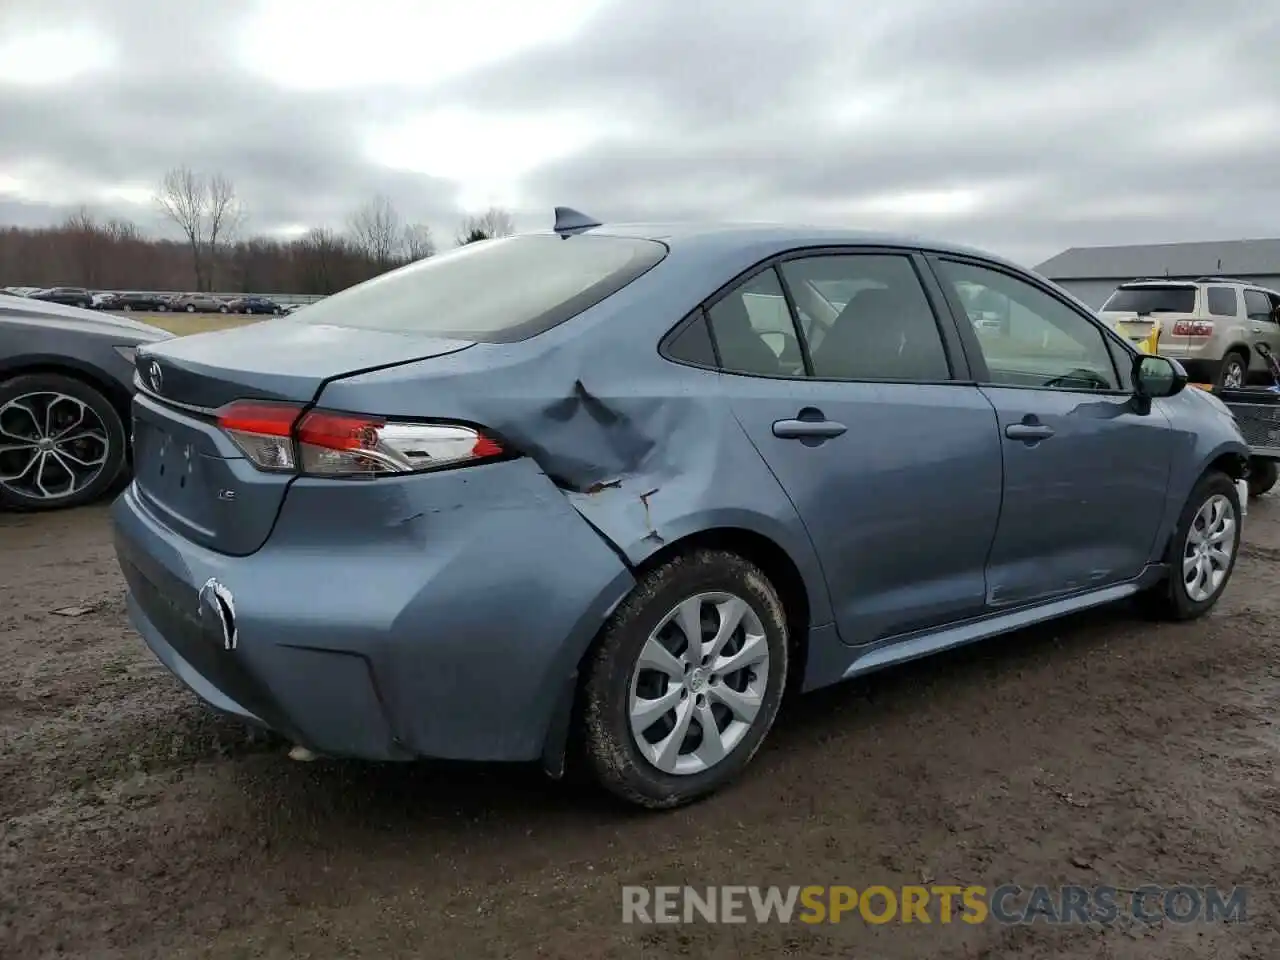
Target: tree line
216, 252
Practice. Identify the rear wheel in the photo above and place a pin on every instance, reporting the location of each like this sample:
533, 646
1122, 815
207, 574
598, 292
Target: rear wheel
1202, 551
191, 308
1234, 372
61, 442
686, 680
1262, 476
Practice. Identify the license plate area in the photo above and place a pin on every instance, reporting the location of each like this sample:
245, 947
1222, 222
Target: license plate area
1134, 331
165, 465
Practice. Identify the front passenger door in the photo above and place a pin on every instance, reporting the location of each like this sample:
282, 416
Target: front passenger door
1086, 467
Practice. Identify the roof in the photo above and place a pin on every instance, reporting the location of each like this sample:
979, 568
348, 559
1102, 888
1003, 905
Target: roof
769, 238
1230, 258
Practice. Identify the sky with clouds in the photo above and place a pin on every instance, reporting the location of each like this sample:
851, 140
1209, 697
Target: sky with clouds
1017, 126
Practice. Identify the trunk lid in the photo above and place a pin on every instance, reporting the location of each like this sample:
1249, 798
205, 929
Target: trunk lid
281, 359
186, 470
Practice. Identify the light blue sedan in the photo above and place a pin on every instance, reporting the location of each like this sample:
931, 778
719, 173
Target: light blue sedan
604, 495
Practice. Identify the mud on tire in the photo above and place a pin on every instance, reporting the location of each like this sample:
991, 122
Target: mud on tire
611, 751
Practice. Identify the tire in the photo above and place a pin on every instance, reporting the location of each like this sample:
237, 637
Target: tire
191, 308
222, 309
105, 449
1234, 366
1262, 476
1170, 600
612, 752
247, 311
162, 309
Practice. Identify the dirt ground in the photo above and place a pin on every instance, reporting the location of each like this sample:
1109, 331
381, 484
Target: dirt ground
1104, 750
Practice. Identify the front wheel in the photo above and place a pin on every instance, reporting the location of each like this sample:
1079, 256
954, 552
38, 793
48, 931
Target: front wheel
191, 308
64, 443
686, 680
1202, 552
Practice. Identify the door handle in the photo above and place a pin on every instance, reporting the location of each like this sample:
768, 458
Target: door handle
1028, 432
807, 429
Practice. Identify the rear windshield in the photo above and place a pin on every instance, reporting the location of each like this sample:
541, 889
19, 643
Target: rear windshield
493, 291
1152, 300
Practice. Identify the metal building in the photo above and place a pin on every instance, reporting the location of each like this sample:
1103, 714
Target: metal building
1092, 273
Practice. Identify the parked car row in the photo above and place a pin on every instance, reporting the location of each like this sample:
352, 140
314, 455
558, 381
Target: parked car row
151, 302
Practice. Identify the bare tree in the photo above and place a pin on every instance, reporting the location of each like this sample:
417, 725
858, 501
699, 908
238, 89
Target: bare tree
318, 255
87, 242
375, 228
118, 228
418, 242
207, 211
181, 198
224, 213
494, 222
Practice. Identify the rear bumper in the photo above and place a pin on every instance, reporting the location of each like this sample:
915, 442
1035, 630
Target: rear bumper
386, 620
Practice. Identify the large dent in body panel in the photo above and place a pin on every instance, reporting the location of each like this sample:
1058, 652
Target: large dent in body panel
648, 470
645, 450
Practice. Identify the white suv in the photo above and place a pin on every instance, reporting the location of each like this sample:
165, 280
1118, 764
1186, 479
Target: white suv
1211, 325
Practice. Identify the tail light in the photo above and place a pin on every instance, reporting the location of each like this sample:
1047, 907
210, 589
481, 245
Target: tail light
280, 437
1193, 328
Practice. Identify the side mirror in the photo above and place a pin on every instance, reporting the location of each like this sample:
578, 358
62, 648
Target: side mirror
1155, 377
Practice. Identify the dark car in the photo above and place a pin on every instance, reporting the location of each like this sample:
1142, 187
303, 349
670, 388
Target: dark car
67, 296
66, 380
254, 305
153, 302
198, 303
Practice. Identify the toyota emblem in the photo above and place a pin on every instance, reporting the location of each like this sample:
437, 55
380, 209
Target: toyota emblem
155, 378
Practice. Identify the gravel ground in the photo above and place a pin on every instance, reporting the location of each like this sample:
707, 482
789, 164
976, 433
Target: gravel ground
134, 823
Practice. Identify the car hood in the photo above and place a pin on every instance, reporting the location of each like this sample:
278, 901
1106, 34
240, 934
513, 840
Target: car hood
74, 319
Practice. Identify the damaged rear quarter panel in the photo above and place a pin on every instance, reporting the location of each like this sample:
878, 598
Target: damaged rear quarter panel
646, 450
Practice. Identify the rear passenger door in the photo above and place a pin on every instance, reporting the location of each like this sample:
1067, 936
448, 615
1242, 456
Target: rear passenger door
862, 409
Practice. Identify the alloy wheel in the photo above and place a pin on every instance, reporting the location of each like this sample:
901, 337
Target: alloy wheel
698, 683
1233, 376
1207, 553
52, 446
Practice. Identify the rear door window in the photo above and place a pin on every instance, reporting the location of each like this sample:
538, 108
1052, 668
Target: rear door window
1152, 299
1223, 301
885, 328
494, 291
753, 329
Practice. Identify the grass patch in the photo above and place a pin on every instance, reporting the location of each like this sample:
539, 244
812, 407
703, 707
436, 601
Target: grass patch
186, 323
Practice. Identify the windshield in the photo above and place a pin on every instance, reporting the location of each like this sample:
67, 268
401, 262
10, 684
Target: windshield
495, 290
1152, 299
